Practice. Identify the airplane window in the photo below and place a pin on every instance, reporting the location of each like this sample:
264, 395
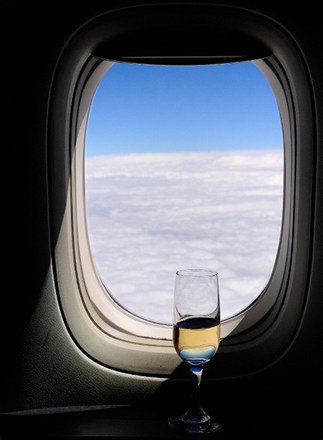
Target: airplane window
199, 156
183, 168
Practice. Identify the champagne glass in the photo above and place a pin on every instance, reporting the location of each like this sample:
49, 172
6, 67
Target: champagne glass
196, 338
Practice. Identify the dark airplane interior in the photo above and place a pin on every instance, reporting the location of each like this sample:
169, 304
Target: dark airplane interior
62, 375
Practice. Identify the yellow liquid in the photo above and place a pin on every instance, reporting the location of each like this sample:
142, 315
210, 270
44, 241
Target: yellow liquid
196, 340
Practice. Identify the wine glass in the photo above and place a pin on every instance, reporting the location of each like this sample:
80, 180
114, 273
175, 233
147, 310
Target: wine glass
196, 338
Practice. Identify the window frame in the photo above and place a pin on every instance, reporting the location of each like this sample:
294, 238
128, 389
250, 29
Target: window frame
118, 339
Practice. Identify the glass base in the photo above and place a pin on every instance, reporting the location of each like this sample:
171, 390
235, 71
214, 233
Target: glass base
194, 422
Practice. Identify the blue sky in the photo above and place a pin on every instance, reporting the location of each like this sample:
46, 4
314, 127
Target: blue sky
142, 108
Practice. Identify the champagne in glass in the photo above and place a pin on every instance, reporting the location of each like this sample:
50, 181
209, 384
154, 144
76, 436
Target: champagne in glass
196, 338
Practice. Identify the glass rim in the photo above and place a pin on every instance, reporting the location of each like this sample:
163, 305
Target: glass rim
196, 272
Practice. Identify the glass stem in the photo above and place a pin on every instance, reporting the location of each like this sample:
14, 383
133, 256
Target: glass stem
196, 372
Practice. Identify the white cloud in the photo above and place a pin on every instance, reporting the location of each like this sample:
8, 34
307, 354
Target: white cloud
152, 214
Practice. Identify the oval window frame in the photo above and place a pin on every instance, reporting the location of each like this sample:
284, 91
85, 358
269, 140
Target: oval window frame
102, 329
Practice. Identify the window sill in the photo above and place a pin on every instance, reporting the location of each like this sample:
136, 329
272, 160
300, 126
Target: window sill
139, 422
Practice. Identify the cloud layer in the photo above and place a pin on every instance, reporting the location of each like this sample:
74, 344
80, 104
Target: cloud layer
152, 214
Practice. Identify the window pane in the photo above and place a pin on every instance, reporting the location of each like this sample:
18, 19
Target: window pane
184, 168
